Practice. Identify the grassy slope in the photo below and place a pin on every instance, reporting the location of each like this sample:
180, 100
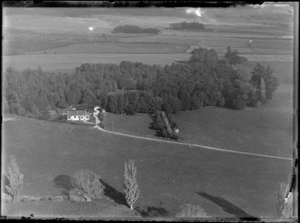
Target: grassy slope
47, 210
168, 175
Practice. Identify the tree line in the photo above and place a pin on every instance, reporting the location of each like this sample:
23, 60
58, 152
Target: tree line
134, 29
130, 87
187, 25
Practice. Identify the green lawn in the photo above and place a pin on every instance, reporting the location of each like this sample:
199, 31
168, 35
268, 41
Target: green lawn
42, 210
168, 175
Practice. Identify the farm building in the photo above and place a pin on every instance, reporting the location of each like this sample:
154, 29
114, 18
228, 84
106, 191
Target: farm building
78, 115
66, 110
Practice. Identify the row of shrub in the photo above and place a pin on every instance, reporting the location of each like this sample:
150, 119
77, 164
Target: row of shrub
134, 29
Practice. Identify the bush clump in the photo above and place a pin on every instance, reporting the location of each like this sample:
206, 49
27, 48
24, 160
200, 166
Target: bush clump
284, 206
191, 211
14, 179
234, 58
131, 189
86, 185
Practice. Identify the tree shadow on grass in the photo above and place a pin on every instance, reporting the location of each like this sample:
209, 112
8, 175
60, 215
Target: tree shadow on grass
114, 194
63, 182
229, 207
151, 211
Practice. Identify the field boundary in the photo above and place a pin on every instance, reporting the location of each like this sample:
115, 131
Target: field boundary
195, 145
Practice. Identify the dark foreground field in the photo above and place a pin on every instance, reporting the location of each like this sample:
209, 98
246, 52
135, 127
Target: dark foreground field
169, 175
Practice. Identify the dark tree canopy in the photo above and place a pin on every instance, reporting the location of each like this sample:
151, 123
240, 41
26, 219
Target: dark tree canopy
233, 57
134, 29
205, 80
187, 25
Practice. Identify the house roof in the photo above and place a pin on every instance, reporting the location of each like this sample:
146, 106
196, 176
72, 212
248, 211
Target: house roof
71, 113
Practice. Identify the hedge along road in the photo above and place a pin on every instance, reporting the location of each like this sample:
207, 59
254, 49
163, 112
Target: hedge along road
195, 145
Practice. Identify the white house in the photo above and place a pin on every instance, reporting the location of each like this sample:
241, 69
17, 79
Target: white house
78, 116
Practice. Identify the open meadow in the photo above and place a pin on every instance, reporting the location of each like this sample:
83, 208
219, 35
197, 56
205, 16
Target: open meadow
175, 174
225, 184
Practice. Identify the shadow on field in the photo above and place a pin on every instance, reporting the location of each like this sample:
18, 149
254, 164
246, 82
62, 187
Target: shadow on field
113, 194
151, 211
63, 182
229, 207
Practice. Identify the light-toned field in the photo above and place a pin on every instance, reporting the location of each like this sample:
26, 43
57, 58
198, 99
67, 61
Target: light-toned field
118, 48
70, 61
67, 33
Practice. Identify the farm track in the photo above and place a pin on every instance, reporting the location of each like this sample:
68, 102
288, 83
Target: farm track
195, 145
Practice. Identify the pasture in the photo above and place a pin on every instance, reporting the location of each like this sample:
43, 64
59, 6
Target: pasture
64, 209
118, 48
224, 184
71, 61
168, 175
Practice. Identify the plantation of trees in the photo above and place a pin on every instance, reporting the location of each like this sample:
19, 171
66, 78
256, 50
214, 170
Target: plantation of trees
134, 29
130, 87
187, 25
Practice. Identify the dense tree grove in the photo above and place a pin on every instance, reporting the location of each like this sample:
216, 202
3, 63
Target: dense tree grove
160, 126
187, 25
263, 78
132, 87
134, 29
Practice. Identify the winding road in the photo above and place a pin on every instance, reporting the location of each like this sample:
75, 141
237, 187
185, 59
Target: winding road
195, 145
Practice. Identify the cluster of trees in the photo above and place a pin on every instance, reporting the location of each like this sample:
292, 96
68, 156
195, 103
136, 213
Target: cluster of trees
233, 57
263, 78
159, 124
187, 25
134, 29
83, 186
205, 80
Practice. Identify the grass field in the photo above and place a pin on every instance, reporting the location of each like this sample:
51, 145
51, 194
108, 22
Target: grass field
225, 184
169, 175
70, 61
47, 210
118, 48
